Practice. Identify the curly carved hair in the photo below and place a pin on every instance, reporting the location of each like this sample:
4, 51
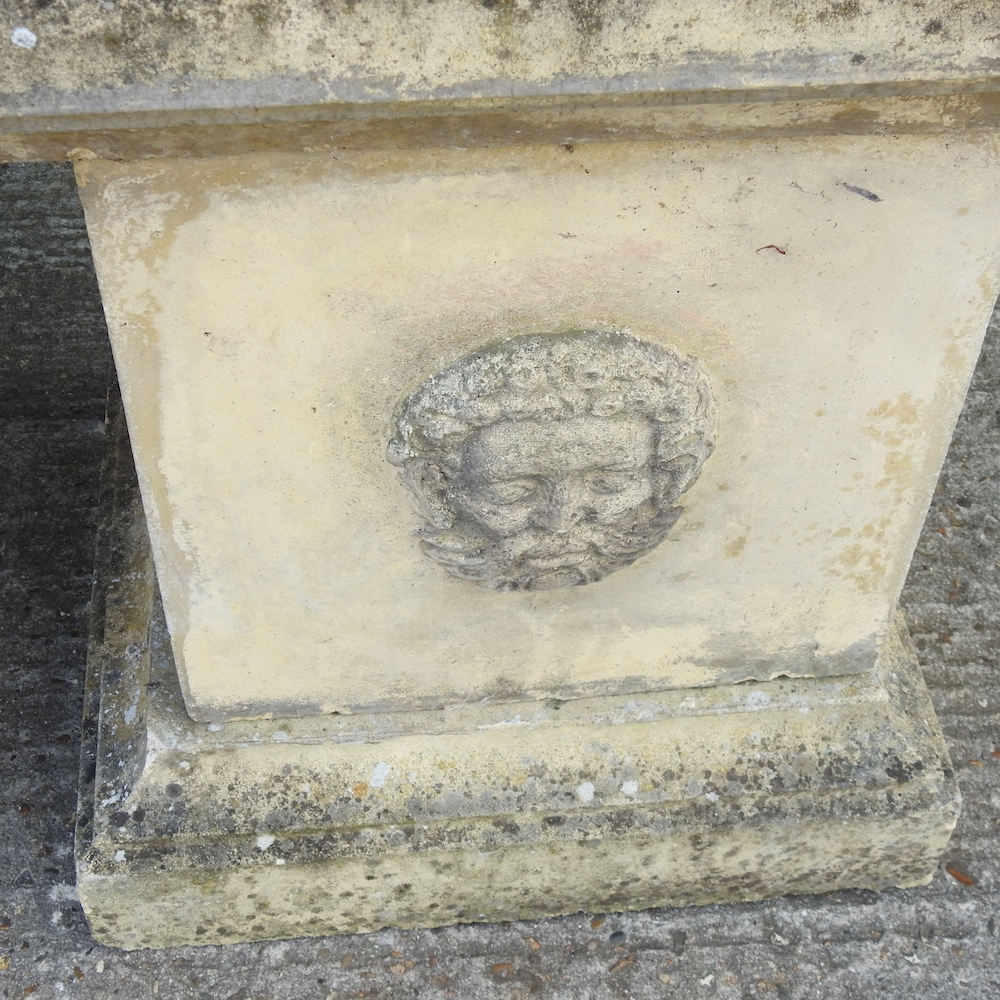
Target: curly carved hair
553, 377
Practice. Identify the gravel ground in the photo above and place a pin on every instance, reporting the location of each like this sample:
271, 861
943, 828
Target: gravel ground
936, 941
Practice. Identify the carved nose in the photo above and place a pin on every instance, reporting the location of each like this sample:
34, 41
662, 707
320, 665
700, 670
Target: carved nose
560, 513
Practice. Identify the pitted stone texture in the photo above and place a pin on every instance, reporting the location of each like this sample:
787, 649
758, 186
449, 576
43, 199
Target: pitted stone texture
551, 461
209, 834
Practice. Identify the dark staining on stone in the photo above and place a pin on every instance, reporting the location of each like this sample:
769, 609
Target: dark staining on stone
857, 59
934, 27
864, 192
588, 15
616, 937
553, 820
621, 821
845, 9
174, 790
119, 818
678, 941
138, 815
902, 773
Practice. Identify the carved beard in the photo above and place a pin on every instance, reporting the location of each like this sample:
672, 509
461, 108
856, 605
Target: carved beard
536, 559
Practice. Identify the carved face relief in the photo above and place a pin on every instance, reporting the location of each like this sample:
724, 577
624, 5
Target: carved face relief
552, 461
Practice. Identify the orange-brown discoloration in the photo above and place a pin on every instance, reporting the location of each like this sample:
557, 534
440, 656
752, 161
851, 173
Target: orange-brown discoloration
736, 547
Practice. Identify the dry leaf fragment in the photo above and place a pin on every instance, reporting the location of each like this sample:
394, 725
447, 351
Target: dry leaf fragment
623, 962
958, 872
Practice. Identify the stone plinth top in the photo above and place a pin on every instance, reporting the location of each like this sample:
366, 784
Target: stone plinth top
201, 62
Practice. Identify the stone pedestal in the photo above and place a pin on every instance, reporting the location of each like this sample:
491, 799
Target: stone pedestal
206, 833
534, 409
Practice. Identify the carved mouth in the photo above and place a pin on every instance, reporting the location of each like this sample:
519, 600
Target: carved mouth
555, 560
562, 576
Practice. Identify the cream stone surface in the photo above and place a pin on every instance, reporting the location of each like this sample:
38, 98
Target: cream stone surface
269, 312
190, 833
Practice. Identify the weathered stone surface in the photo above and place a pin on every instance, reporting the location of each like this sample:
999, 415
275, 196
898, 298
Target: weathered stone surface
78, 58
194, 833
141, 78
551, 461
268, 314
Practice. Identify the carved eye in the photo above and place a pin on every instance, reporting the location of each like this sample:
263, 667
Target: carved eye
511, 491
608, 483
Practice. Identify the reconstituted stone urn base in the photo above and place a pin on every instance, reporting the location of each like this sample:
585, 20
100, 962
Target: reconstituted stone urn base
194, 833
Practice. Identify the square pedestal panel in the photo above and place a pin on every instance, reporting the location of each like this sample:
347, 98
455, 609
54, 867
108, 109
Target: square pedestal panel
271, 313
207, 833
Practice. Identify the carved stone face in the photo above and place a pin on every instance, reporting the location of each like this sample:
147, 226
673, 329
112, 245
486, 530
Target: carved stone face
548, 490
576, 475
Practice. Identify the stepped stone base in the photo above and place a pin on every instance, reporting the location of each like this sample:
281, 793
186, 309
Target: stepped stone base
195, 833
